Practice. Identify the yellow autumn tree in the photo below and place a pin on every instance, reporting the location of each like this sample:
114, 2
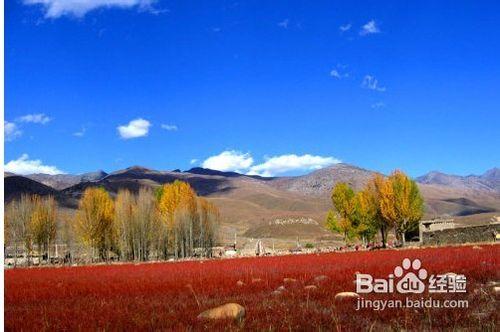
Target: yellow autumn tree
365, 212
402, 204
95, 221
177, 207
43, 223
374, 198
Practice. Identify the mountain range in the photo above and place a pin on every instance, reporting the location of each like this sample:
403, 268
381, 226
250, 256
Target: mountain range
250, 205
489, 181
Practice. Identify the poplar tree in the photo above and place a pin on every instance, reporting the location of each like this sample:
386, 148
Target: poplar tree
402, 204
95, 219
342, 217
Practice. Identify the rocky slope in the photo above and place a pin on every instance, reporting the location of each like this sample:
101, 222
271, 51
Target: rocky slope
250, 204
489, 181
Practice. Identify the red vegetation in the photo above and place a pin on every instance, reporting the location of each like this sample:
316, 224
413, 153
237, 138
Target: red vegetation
171, 295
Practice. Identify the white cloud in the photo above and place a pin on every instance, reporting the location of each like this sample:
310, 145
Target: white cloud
291, 162
35, 118
378, 105
24, 166
345, 27
370, 82
135, 128
229, 161
80, 133
335, 73
78, 8
11, 131
169, 127
244, 163
339, 72
193, 161
284, 24
369, 28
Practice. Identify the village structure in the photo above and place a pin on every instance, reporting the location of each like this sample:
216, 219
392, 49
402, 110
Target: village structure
445, 231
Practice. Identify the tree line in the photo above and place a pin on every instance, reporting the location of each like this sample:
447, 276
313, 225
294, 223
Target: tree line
385, 203
170, 222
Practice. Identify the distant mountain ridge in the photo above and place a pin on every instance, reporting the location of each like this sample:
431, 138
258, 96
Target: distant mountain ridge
322, 181
62, 181
248, 203
489, 181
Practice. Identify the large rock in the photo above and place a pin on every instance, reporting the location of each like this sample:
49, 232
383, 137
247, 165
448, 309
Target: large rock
226, 311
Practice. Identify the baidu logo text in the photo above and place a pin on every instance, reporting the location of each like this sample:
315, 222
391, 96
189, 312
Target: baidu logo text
409, 277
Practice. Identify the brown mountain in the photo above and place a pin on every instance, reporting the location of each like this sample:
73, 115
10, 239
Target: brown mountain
61, 181
252, 206
321, 182
15, 186
489, 181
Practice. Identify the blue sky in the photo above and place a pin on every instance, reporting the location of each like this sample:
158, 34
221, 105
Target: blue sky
262, 87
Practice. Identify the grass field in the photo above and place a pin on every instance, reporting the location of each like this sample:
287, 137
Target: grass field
171, 295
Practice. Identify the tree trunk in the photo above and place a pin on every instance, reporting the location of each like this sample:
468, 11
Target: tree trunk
382, 232
15, 254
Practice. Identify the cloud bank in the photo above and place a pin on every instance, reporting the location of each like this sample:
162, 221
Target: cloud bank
226, 161
236, 161
291, 163
78, 8
23, 166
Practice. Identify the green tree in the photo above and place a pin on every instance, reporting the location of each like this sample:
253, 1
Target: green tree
342, 217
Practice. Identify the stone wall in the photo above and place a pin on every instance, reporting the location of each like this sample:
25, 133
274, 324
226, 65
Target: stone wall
481, 233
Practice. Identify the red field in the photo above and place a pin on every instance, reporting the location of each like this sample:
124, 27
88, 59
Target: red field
171, 295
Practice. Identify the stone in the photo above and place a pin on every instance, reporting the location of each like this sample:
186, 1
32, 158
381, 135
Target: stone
320, 278
226, 311
240, 283
346, 295
289, 280
311, 287
492, 283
